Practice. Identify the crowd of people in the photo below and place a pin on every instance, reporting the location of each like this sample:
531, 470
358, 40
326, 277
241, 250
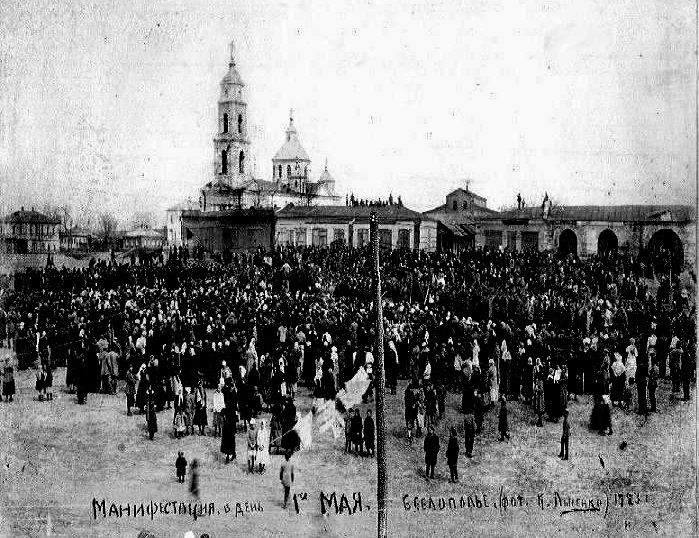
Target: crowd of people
491, 325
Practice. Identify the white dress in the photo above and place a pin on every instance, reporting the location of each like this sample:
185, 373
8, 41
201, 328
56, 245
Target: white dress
263, 446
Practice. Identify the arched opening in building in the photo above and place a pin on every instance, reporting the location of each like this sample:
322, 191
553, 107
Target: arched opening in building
607, 243
241, 163
224, 161
240, 123
225, 122
288, 171
280, 172
455, 205
568, 243
666, 251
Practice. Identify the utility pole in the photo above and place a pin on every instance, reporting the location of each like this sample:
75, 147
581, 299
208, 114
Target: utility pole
380, 383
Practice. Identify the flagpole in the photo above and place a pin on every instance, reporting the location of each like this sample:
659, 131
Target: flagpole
382, 475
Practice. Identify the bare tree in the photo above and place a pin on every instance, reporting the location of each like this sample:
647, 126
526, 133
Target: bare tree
107, 225
143, 220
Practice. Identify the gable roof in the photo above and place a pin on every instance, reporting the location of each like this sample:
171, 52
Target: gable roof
389, 212
31, 216
612, 213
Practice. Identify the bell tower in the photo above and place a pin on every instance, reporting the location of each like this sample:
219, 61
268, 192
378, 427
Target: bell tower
232, 162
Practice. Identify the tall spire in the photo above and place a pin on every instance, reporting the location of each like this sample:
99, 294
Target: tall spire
232, 48
292, 129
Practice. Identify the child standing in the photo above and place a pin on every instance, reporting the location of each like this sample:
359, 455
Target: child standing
218, 405
178, 423
181, 467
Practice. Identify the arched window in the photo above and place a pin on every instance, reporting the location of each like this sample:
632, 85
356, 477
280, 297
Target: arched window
455, 205
280, 171
305, 171
225, 122
224, 161
240, 123
288, 171
241, 163
464, 205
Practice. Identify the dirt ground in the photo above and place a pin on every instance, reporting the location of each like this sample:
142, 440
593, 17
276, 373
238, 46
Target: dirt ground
56, 458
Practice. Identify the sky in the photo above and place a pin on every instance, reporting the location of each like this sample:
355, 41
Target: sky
111, 105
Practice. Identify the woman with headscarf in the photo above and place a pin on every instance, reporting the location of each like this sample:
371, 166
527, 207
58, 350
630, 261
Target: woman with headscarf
262, 457
151, 415
618, 380
230, 399
505, 369
392, 365
492, 376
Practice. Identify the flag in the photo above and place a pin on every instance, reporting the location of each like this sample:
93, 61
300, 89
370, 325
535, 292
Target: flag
354, 389
303, 429
329, 417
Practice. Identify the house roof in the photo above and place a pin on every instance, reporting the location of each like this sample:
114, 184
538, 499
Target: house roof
466, 191
390, 212
612, 213
477, 211
31, 216
144, 233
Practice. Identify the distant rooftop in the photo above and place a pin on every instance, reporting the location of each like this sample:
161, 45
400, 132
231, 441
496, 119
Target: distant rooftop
31, 216
613, 213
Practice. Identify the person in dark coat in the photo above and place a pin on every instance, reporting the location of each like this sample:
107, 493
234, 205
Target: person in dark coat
431, 450
200, 418
653, 373
369, 433
357, 427
502, 420
151, 416
130, 390
230, 399
8, 383
605, 416
453, 456
194, 484
469, 433
565, 437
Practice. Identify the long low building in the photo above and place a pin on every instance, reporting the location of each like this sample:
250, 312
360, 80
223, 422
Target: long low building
584, 230
399, 227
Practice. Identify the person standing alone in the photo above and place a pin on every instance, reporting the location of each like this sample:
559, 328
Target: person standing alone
565, 437
431, 451
286, 476
453, 456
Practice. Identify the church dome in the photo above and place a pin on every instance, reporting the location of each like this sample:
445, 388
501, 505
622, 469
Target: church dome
291, 150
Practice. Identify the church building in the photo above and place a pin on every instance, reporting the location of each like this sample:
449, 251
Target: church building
234, 187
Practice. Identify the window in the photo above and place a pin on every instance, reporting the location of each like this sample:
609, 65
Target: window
403, 238
362, 237
240, 123
225, 122
224, 161
320, 237
280, 172
339, 235
241, 163
385, 238
455, 205
288, 171
464, 205
301, 237
305, 171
